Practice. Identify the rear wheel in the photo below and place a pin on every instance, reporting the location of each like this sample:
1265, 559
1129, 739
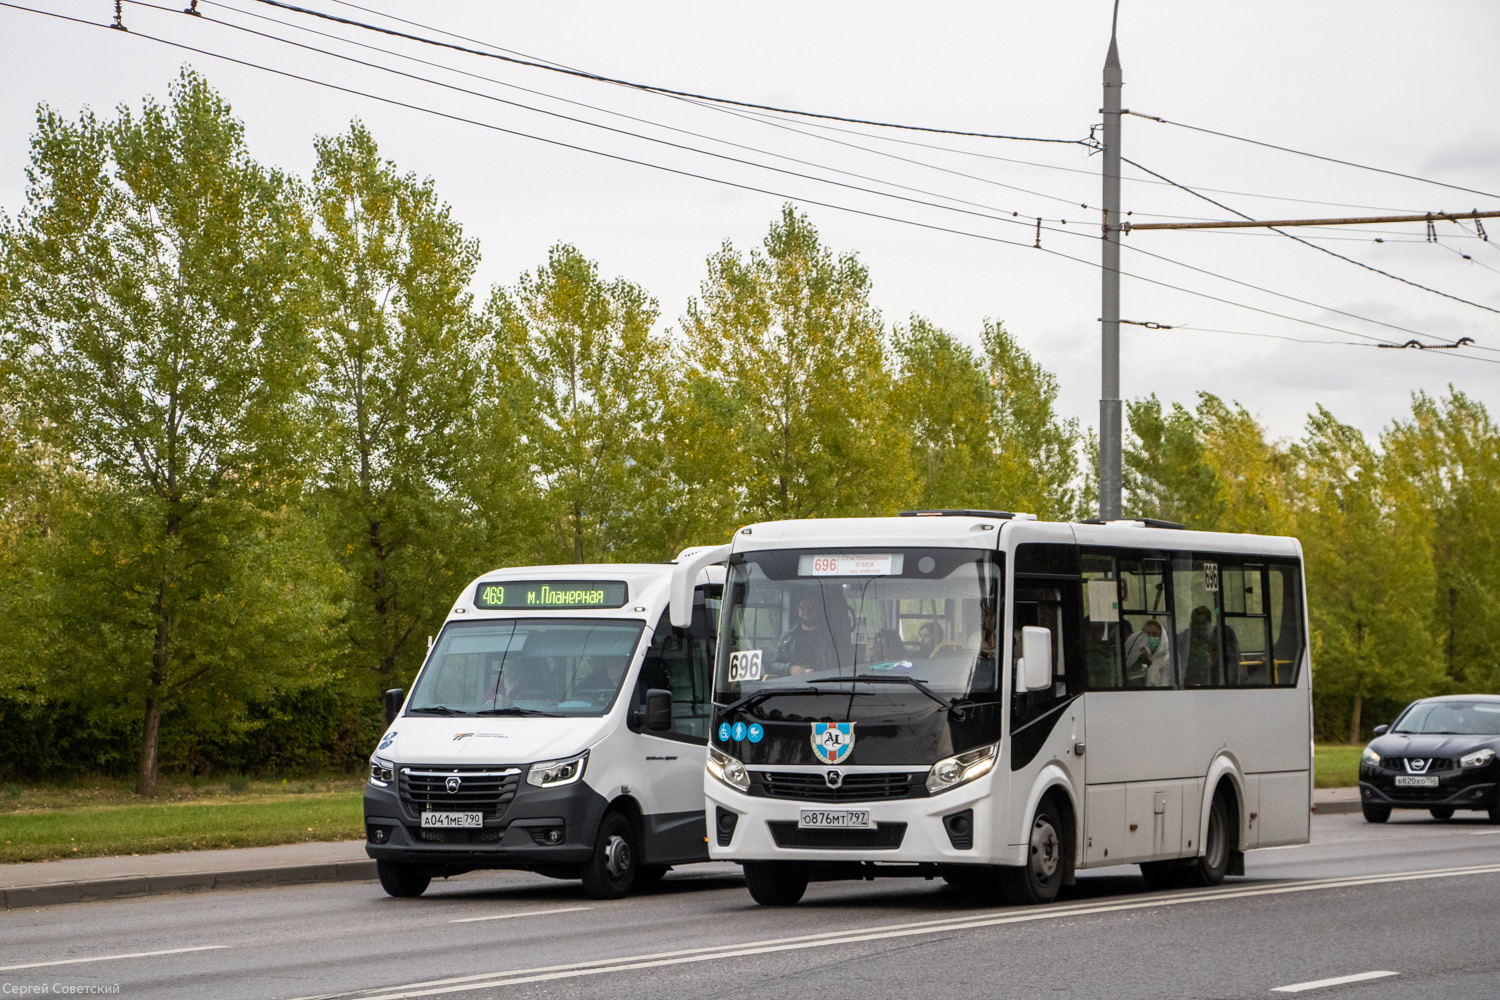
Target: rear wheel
1039, 880
1375, 814
1441, 812
402, 881
776, 883
611, 872
1218, 844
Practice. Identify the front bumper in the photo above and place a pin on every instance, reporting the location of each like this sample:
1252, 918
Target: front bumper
512, 839
1474, 789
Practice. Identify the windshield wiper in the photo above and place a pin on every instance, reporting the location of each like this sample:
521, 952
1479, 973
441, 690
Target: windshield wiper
435, 710
518, 711
959, 708
756, 697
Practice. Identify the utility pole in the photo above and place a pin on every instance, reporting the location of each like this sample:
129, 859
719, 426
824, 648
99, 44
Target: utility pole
1110, 418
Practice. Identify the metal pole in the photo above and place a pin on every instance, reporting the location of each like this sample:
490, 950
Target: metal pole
1110, 462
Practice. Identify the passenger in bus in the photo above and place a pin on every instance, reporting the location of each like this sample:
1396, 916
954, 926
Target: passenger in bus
1204, 655
1148, 657
929, 637
806, 646
984, 640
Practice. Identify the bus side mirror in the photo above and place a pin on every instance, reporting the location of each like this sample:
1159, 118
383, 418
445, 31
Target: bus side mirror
658, 710
1036, 658
393, 699
1381, 730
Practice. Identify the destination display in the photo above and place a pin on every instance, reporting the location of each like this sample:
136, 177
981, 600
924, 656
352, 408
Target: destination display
543, 595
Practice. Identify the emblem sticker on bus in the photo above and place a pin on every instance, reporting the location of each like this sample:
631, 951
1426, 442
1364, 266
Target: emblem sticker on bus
744, 666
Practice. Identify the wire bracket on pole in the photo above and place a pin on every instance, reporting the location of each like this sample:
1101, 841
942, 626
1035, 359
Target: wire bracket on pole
1480, 226
1431, 229
1038, 232
1148, 325
1419, 346
119, 24
192, 8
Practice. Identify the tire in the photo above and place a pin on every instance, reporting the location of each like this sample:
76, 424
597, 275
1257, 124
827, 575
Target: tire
1039, 880
1441, 812
776, 883
401, 880
1212, 865
1375, 814
611, 871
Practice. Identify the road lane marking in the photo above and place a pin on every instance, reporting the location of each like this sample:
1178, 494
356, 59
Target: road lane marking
511, 916
1484, 833
111, 958
970, 921
1319, 984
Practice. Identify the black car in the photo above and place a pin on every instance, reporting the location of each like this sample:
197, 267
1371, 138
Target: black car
1441, 754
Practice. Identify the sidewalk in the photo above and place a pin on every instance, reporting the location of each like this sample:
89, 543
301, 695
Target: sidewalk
82, 880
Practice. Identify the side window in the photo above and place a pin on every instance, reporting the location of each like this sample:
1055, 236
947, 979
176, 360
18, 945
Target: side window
681, 661
1195, 596
1102, 623
1041, 604
1246, 627
1146, 623
1284, 601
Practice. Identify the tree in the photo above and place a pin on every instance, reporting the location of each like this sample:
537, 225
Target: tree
155, 335
944, 401
394, 396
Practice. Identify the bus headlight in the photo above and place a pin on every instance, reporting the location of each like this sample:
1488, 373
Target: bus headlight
551, 773
1370, 757
950, 772
382, 772
1478, 758
728, 770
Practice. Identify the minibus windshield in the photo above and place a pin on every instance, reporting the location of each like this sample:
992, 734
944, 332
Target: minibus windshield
526, 667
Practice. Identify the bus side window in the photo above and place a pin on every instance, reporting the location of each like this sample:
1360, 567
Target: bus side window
1284, 600
1243, 592
1101, 618
680, 661
1039, 604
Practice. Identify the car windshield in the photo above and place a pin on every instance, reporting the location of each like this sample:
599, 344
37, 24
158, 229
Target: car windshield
1455, 718
859, 622
526, 667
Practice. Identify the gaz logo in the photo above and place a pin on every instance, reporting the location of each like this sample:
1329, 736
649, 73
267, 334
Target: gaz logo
744, 666
833, 742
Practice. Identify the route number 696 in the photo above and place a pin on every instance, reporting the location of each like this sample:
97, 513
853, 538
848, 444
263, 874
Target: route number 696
744, 666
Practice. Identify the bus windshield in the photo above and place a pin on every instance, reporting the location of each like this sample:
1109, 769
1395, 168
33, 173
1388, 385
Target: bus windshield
860, 622
526, 667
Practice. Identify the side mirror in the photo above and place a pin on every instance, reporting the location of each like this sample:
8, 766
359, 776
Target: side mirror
393, 699
658, 710
1382, 730
1036, 658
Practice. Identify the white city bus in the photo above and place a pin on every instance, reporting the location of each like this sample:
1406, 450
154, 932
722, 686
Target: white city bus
988, 698
558, 726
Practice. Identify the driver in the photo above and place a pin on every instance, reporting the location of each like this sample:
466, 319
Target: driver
807, 645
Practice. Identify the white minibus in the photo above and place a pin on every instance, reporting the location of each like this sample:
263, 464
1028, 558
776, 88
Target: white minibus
558, 725
1000, 702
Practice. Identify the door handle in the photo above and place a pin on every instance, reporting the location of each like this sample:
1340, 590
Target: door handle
1078, 749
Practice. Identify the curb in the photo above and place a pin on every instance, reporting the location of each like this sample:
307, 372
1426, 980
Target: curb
1333, 808
53, 893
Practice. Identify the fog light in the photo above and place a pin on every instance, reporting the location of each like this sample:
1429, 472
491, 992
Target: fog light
379, 834
548, 836
724, 825
960, 827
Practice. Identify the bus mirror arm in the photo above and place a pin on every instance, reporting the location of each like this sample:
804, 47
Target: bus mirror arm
685, 576
393, 699
1036, 658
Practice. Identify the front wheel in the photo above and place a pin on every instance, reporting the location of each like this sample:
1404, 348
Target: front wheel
1375, 814
776, 883
402, 881
1441, 812
1039, 880
1213, 865
611, 871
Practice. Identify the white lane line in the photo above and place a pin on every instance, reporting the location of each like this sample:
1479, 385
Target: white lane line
111, 958
1319, 984
511, 916
970, 921
1483, 833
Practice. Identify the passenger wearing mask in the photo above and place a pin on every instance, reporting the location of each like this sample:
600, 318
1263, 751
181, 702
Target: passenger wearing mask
1148, 657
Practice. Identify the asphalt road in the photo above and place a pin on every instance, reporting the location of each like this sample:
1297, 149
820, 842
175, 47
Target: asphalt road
1415, 901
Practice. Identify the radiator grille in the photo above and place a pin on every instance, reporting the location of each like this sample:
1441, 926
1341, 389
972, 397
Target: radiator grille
811, 786
486, 790
884, 837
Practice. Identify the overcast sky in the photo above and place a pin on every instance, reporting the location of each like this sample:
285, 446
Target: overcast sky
1408, 88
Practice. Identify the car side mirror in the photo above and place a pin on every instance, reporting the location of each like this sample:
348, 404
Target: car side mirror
1382, 730
393, 699
658, 710
1036, 658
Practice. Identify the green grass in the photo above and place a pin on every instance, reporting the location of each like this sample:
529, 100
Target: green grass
1336, 765
104, 818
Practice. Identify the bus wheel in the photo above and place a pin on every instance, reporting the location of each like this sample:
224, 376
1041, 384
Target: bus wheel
1041, 877
1441, 812
402, 880
1375, 814
776, 883
611, 871
1211, 867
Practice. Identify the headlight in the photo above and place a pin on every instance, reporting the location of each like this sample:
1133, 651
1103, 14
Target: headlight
953, 771
728, 770
551, 773
1478, 758
382, 772
1370, 757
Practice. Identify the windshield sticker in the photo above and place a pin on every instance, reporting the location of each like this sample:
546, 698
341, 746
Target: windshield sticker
850, 564
739, 731
387, 740
1211, 577
757, 732
833, 742
723, 732
744, 666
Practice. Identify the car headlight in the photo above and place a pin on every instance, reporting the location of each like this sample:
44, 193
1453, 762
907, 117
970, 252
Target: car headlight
1370, 757
950, 772
1478, 758
551, 773
728, 770
382, 772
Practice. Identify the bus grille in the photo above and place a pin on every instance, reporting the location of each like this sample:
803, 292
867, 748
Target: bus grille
487, 835
484, 789
884, 837
811, 786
